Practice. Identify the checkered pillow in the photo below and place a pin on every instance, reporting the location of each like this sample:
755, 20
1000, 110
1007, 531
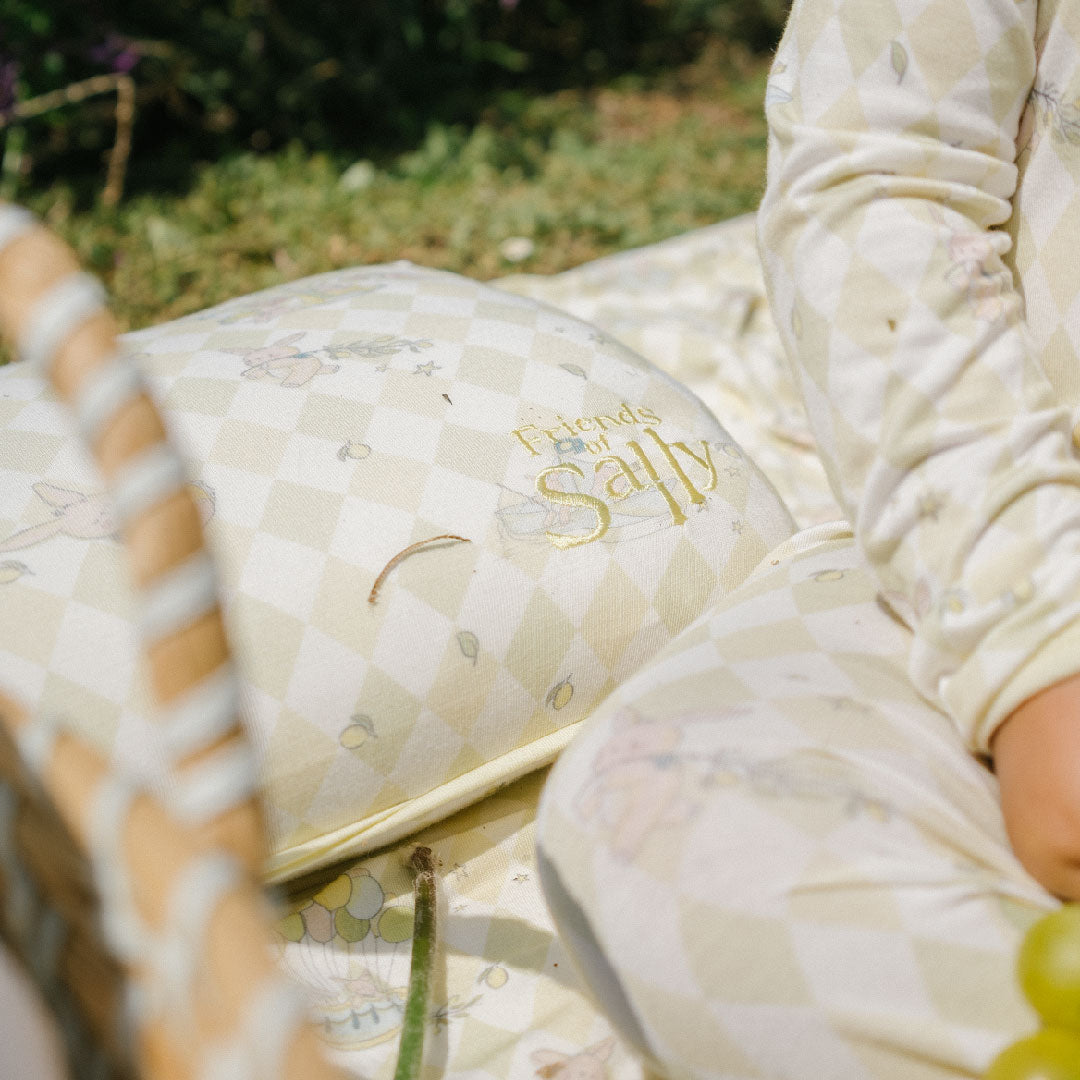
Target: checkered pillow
449, 520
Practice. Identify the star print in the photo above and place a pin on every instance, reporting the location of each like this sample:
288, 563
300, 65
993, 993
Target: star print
428, 368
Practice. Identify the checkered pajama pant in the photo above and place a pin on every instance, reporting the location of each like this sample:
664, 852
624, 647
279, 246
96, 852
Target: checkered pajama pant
772, 859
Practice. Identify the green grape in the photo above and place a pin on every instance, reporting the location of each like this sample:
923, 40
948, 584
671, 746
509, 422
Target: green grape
1049, 967
1050, 1054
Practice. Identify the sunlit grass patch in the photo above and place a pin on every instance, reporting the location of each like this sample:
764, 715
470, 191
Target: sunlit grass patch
537, 184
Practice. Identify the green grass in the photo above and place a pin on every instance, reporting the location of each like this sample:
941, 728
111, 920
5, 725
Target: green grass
577, 174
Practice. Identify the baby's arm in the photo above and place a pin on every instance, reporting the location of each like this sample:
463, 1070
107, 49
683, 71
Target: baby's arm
891, 167
1037, 759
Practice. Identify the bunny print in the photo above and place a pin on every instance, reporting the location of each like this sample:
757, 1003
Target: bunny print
82, 517
283, 362
638, 782
588, 1064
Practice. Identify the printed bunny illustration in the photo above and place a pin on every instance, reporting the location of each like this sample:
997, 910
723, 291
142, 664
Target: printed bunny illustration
282, 362
971, 255
82, 517
802, 776
588, 1064
638, 782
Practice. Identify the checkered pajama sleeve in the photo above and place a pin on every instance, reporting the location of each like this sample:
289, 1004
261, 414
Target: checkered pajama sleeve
891, 166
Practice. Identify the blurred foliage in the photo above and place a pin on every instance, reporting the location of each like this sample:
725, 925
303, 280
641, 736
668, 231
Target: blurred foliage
217, 75
540, 183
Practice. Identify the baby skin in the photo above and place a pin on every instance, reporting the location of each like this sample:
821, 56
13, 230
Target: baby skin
1037, 760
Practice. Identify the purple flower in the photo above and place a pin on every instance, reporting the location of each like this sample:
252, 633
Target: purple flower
120, 54
508, 5
9, 76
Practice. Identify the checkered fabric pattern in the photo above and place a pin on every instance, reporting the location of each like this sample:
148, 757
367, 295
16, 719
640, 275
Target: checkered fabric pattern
695, 306
511, 1005
775, 860
331, 424
918, 235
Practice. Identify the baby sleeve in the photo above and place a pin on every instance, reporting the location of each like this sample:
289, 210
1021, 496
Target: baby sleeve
891, 167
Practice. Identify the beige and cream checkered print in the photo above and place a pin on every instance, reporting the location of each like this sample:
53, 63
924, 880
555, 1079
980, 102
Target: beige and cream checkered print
330, 424
510, 1004
790, 861
937, 357
695, 306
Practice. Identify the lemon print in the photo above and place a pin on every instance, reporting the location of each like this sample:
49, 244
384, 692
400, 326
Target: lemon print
395, 924
828, 575
495, 976
898, 57
10, 571
358, 732
336, 894
469, 645
560, 695
291, 928
356, 451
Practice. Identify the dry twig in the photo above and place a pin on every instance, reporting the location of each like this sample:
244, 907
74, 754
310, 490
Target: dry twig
404, 554
124, 88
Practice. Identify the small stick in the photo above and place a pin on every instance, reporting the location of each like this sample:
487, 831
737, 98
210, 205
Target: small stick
123, 86
68, 95
118, 157
404, 554
411, 1046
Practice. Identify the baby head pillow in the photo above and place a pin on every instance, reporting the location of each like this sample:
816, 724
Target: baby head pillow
449, 522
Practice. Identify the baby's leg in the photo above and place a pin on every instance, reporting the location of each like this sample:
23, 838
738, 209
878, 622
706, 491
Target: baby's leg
833, 895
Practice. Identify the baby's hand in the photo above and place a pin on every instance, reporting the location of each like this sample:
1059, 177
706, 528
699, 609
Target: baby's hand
1037, 759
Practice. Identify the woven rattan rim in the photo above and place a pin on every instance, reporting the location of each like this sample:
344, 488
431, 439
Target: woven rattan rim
144, 925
